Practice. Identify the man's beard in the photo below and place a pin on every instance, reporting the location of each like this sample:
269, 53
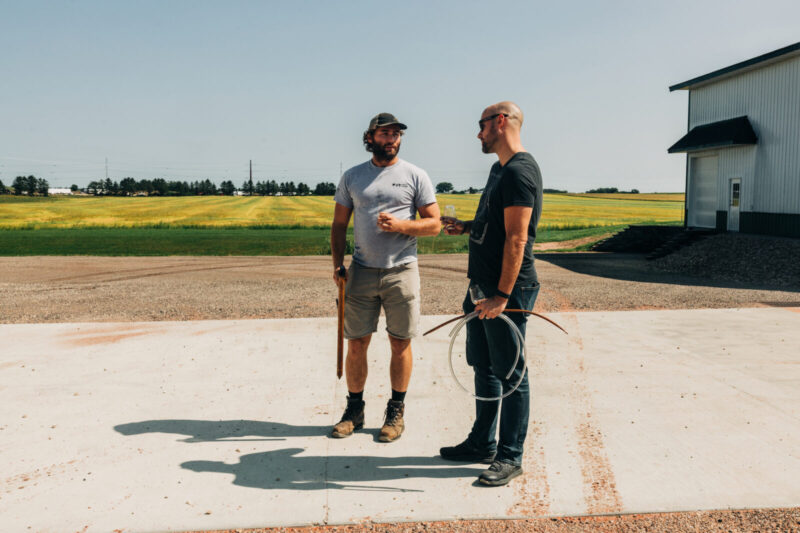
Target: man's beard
382, 154
487, 145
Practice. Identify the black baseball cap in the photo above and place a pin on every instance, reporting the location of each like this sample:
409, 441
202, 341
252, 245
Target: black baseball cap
385, 119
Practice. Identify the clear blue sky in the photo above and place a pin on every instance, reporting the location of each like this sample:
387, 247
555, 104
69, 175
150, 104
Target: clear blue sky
193, 90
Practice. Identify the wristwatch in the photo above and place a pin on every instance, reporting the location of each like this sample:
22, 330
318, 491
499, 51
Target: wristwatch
500, 293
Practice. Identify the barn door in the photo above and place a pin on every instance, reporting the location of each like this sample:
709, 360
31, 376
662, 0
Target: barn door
702, 200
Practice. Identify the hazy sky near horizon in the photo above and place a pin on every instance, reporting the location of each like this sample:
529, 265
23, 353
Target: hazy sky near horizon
195, 89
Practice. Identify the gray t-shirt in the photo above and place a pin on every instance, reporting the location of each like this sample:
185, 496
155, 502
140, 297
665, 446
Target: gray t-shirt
399, 189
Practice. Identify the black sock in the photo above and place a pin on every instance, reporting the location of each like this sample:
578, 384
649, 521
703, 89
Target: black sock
355, 396
398, 396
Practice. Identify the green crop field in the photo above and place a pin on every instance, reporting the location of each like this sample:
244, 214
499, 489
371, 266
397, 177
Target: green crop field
198, 225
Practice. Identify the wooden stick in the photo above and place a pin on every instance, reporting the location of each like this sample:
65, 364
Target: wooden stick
340, 336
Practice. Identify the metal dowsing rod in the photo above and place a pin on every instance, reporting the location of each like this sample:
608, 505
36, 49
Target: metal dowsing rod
443, 324
520, 341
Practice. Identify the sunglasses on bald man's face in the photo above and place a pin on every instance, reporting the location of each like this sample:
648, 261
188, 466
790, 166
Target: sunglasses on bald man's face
483, 121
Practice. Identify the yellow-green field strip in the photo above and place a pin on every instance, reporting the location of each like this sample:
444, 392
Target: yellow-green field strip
559, 211
142, 226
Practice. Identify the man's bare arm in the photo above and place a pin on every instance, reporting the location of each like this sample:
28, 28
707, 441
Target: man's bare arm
516, 220
341, 218
427, 225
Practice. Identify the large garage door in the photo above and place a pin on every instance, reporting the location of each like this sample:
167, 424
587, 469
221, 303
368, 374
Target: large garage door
703, 192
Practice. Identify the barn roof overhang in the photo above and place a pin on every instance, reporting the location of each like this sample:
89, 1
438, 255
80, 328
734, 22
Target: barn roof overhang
723, 134
757, 62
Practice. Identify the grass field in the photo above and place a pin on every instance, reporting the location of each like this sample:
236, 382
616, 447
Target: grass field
234, 241
179, 212
560, 211
268, 225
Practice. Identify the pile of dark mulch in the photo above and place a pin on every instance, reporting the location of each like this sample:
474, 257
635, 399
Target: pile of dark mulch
738, 257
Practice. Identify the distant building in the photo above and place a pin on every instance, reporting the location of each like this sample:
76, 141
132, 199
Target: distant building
59, 190
743, 146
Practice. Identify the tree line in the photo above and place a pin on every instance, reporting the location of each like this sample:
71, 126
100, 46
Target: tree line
445, 187
162, 187
287, 188
611, 190
31, 185
157, 187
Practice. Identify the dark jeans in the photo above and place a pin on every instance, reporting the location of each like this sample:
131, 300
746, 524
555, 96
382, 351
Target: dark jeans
491, 347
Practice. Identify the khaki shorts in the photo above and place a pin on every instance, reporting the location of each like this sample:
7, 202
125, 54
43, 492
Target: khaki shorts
396, 289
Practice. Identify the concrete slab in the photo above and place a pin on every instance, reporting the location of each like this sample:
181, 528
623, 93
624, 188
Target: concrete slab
221, 424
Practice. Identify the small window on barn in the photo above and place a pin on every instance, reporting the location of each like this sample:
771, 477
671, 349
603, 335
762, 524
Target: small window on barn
735, 195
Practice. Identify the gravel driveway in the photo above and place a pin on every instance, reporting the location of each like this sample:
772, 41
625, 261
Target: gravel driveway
81, 289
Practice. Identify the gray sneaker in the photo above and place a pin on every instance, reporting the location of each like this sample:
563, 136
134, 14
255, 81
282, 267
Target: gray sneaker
499, 473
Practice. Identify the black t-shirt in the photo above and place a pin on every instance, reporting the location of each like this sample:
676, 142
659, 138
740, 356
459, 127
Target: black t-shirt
518, 183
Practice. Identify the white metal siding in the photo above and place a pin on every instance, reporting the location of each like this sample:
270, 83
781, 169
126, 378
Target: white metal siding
770, 97
737, 162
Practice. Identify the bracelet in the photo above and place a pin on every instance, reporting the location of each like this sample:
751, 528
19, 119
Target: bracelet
498, 292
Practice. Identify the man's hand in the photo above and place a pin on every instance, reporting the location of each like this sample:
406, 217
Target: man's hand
491, 307
389, 222
453, 226
339, 274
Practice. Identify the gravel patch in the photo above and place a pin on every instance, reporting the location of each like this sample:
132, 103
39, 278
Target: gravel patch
128, 289
738, 257
727, 521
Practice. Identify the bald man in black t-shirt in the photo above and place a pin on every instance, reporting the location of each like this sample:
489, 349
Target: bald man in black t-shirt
502, 275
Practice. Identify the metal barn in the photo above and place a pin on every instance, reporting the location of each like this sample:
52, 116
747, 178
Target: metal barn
743, 146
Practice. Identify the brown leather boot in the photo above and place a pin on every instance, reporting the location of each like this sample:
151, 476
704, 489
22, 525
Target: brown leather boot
352, 419
393, 426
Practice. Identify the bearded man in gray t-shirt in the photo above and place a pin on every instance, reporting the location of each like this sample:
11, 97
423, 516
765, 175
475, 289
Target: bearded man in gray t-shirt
383, 195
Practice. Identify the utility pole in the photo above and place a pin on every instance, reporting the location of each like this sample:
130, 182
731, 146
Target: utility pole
106, 168
251, 177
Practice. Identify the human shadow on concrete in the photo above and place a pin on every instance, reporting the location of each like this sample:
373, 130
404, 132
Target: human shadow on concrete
222, 430
634, 267
283, 469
